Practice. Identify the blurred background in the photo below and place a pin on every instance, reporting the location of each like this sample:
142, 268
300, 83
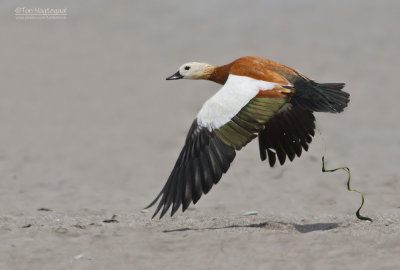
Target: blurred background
86, 112
89, 122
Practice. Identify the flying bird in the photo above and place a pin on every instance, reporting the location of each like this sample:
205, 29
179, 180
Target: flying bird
258, 98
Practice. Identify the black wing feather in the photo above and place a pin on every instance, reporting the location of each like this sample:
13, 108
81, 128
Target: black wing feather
286, 133
200, 165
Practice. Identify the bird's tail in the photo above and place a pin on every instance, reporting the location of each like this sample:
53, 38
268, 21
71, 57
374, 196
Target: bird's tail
320, 97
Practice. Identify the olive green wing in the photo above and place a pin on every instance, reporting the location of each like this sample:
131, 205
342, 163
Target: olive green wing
250, 120
207, 154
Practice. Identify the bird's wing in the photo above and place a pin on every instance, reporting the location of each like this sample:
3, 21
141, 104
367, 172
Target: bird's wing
208, 152
200, 165
286, 133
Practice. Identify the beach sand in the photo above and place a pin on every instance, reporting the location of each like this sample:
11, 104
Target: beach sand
91, 129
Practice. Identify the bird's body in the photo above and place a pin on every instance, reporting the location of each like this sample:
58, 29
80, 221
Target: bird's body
259, 97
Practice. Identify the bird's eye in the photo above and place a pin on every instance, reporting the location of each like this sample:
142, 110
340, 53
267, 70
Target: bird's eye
187, 68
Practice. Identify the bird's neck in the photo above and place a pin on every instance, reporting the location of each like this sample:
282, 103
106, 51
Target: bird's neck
219, 74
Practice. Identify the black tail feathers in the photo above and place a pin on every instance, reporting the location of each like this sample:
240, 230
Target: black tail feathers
320, 97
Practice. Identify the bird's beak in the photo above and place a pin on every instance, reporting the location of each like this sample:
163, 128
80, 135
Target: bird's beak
176, 76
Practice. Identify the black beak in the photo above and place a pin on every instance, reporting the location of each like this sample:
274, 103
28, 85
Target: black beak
176, 76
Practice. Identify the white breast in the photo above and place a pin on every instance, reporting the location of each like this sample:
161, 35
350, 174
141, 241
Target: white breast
229, 100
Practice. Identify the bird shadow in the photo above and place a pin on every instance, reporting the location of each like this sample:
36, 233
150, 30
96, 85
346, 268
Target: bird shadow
256, 225
301, 228
306, 228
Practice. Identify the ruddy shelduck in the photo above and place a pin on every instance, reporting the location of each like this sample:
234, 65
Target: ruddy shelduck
259, 98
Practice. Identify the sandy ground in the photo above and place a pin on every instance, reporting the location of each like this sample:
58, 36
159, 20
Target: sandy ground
91, 129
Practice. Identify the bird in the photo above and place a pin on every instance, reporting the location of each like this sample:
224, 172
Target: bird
258, 98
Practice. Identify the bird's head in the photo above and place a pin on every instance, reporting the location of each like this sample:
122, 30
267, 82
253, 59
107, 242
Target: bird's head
194, 71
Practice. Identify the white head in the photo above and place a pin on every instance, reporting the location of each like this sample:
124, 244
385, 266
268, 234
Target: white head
193, 70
